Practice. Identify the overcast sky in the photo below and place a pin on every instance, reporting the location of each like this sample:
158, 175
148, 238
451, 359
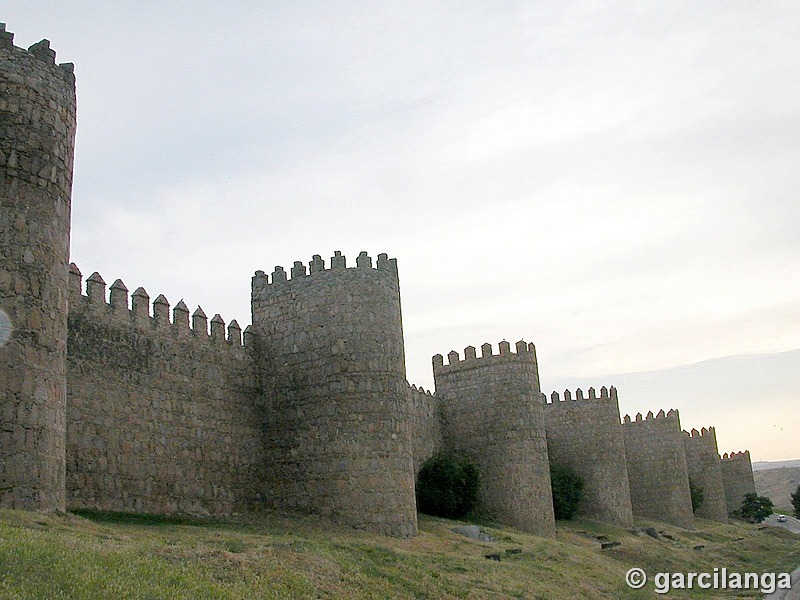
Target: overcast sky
616, 182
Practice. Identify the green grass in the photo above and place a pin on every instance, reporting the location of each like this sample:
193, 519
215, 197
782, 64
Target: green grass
101, 555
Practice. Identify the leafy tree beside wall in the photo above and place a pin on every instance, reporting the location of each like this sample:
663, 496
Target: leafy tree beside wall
697, 495
448, 486
796, 502
754, 508
567, 491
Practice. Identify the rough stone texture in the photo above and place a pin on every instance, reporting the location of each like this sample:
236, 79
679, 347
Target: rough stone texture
493, 413
151, 414
657, 470
585, 434
705, 472
737, 477
339, 433
37, 135
426, 425
161, 418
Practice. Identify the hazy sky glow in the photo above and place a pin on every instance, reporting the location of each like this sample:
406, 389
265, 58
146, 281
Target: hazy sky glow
616, 182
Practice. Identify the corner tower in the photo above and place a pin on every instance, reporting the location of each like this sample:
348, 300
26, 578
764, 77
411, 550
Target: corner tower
37, 137
705, 472
493, 413
338, 431
585, 434
657, 470
737, 477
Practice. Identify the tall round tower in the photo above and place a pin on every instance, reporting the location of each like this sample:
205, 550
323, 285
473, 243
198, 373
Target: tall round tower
338, 415
37, 137
492, 412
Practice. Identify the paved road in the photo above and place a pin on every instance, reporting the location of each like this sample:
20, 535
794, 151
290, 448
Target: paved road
792, 525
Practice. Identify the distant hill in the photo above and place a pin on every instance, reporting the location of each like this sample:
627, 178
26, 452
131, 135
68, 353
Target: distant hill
778, 484
763, 465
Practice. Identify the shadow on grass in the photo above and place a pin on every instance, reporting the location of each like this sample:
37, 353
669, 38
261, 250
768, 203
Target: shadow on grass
146, 519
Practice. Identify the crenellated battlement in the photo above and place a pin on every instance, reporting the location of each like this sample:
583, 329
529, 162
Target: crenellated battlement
742, 455
670, 415
418, 389
523, 351
40, 50
279, 281
605, 394
135, 310
704, 432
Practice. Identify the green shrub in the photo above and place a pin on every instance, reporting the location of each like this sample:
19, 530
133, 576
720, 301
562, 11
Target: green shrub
447, 486
567, 491
796, 502
697, 495
754, 508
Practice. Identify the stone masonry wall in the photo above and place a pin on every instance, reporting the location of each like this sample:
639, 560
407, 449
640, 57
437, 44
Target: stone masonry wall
104, 406
162, 417
657, 470
705, 472
37, 136
737, 477
493, 413
585, 434
339, 434
426, 425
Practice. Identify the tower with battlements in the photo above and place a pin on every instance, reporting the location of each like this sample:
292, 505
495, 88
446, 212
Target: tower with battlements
332, 370
737, 477
584, 433
492, 412
657, 470
37, 137
705, 472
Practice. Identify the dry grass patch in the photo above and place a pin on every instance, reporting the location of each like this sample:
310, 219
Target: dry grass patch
276, 556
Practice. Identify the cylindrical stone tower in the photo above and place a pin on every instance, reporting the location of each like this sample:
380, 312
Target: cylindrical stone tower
493, 413
657, 469
37, 136
705, 472
585, 434
737, 478
337, 431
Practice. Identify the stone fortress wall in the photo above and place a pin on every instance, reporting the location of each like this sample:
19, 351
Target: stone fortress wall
657, 469
37, 139
492, 413
334, 382
108, 403
426, 425
737, 477
162, 417
585, 434
705, 472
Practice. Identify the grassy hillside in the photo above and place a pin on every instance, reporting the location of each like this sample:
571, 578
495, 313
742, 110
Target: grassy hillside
778, 485
118, 556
